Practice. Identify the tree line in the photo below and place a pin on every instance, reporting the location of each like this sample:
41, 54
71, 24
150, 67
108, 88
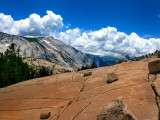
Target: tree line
14, 70
88, 67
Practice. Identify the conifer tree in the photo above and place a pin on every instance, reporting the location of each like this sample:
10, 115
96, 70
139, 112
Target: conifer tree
13, 69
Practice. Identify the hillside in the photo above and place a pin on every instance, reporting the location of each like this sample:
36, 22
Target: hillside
49, 49
52, 66
71, 96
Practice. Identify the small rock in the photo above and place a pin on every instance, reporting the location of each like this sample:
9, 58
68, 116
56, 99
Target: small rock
111, 77
154, 67
45, 115
115, 110
87, 74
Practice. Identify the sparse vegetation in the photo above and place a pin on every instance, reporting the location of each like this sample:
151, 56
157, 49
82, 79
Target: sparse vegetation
88, 67
149, 55
157, 53
44, 71
31, 39
64, 70
119, 61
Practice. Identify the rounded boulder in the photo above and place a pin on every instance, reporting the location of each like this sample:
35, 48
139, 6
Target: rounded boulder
154, 67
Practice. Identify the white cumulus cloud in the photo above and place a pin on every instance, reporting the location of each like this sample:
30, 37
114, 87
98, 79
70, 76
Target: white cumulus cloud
6, 23
32, 26
69, 35
109, 42
105, 42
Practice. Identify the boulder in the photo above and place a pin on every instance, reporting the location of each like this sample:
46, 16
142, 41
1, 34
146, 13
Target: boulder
115, 110
87, 74
111, 77
154, 67
45, 115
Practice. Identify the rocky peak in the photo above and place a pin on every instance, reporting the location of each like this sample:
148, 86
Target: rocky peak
49, 49
125, 58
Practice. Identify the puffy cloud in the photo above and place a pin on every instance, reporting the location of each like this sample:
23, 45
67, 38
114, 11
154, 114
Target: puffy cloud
106, 41
70, 35
109, 42
32, 26
6, 23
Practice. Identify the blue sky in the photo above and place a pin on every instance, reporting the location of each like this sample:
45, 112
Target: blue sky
117, 27
140, 16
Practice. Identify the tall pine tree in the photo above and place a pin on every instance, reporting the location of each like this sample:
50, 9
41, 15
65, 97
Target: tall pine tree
12, 67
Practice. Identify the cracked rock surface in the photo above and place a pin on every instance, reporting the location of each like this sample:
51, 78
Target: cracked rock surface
71, 96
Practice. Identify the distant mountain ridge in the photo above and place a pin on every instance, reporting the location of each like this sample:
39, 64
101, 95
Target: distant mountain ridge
110, 60
125, 58
49, 49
